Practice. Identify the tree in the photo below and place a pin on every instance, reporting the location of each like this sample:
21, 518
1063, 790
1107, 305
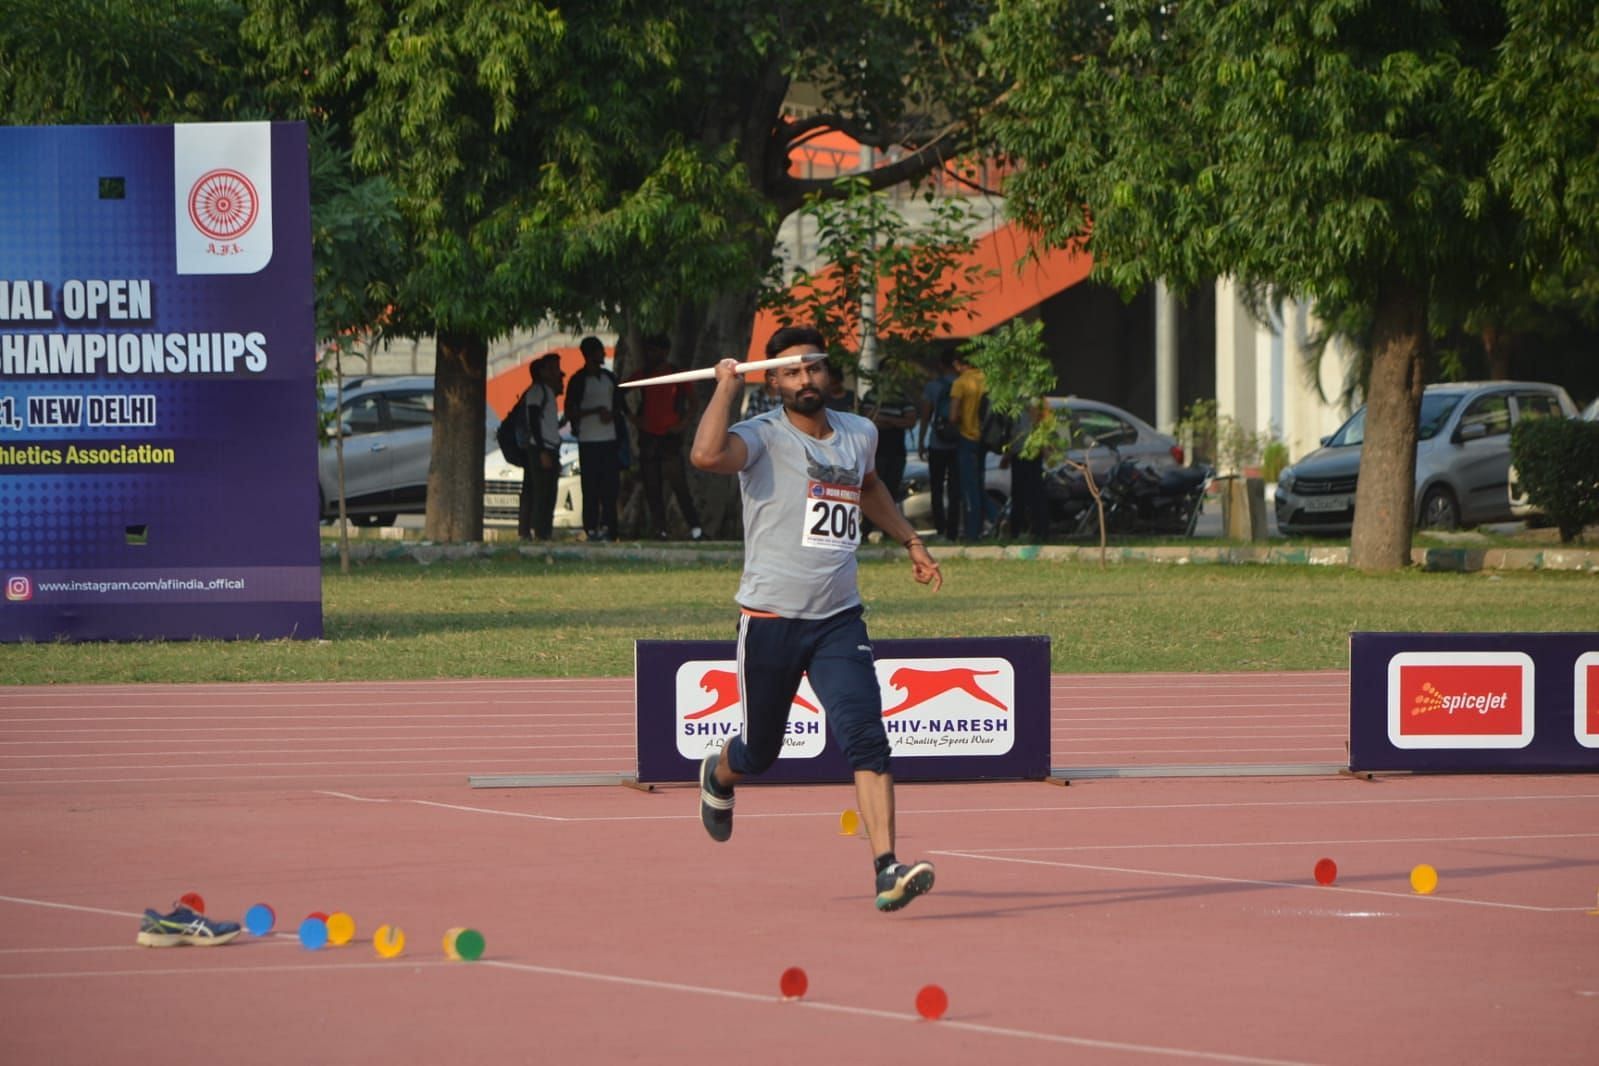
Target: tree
914, 270
610, 160
1334, 149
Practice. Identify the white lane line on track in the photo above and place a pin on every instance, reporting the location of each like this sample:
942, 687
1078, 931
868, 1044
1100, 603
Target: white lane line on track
187, 755
667, 986
386, 721
1182, 844
53, 905
1215, 879
404, 776
1063, 809
885, 1015
337, 705
1191, 750
446, 806
214, 971
246, 765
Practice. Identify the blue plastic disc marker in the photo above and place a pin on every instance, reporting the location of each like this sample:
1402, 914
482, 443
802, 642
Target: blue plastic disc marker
314, 934
260, 919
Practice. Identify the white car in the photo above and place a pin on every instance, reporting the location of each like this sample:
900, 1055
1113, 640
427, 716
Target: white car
1520, 505
502, 489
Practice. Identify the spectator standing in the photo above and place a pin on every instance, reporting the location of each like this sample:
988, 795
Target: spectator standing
966, 412
837, 397
535, 512
593, 410
892, 415
1029, 509
661, 417
936, 444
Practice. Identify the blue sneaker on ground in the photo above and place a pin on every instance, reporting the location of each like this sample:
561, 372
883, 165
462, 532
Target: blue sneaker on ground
184, 926
903, 882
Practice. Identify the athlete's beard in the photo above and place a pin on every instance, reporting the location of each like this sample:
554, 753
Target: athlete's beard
806, 402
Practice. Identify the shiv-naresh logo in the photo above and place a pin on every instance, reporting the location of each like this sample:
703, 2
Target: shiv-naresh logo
709, 713
1585, 697
958, 706
1460, 700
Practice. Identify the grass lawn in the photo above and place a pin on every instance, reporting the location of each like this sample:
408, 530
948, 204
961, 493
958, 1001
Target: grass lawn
510, 616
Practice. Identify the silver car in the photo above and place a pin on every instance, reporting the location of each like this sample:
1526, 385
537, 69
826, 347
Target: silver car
1462, 459
387, 425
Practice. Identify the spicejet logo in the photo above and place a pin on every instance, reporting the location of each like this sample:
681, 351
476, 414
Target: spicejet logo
1585, 691
709, 713
1460, 700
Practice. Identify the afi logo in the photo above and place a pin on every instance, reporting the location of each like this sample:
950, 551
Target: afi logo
921, 685
19, 589
1460, 700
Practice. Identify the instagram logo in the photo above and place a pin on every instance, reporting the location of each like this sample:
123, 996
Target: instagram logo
19, 589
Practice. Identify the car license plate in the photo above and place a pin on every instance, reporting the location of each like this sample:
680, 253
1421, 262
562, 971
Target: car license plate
1327, 503
496, 500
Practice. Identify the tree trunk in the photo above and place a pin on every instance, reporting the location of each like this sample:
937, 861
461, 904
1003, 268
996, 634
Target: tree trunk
707, 333
455, 473
1385, 496
1497, 346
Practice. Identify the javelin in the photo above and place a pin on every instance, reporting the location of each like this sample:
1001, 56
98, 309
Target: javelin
709, 372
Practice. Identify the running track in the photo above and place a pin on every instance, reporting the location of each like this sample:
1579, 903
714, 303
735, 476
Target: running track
1117, 920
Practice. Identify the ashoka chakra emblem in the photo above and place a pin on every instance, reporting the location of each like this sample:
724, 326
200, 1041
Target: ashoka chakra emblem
223, 204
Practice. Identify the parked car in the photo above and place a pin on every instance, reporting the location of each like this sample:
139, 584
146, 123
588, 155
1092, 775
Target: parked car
502, 489
1520, 505
387, 425
1462, 459
1115, 434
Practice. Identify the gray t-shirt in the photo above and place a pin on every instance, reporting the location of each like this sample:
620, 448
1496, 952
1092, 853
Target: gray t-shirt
802, 514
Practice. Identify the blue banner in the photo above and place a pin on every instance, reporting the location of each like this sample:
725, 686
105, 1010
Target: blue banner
157, 384
971, 709
1486, 702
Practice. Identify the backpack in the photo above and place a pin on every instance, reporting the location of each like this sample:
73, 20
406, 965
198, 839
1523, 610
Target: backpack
996, 432
513, 435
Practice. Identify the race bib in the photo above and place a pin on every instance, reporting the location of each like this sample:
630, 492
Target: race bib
832, 516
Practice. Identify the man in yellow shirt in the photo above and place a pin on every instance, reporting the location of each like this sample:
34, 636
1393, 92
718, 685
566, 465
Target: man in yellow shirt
966, 411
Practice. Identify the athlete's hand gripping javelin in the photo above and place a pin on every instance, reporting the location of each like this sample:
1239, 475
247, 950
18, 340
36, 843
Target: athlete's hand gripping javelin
800, 384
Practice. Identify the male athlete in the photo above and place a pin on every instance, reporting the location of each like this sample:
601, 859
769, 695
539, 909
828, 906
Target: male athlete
807, 478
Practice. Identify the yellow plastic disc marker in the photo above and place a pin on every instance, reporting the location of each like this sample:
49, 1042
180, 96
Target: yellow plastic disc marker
848, 823
389, 941
341, 928
449, 943
1424, 879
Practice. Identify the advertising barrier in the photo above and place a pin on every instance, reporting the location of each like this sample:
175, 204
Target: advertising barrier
955, 709
157, 383
1486, 702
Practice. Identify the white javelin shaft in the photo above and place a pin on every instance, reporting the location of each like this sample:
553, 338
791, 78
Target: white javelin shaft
709, 372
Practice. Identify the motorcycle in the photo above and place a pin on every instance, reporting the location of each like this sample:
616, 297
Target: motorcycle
1137, 496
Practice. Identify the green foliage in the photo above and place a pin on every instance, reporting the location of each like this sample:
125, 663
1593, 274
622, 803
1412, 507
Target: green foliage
116, 61
1222, 440
1017, 375
1273, 458
920, 272
1557, 462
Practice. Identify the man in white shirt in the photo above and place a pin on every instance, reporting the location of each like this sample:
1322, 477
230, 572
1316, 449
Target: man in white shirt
593, 410
807, 477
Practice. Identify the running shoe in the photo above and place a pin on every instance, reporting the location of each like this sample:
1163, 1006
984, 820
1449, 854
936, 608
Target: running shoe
716, 804
903, 882
184, 926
